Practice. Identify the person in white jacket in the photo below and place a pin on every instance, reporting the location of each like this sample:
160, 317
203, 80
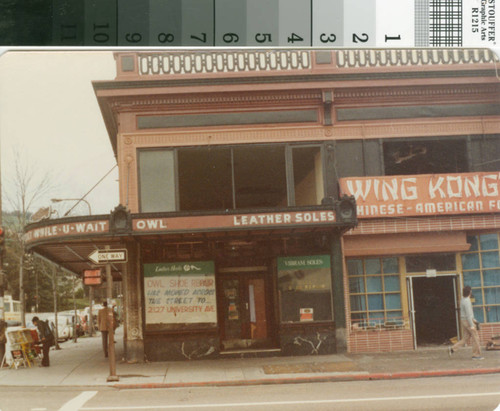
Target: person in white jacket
469, 327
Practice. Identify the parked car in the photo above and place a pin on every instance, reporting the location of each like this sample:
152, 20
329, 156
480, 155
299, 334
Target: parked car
65, 325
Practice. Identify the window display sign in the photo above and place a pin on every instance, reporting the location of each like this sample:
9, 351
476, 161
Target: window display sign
180, 292
305, 288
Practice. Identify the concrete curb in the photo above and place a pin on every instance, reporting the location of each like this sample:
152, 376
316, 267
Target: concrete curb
303, 380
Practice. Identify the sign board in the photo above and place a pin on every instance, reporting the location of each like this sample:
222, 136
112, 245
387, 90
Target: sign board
306, 314
108, 256
92, 277
430, 273
180, 292
425, 194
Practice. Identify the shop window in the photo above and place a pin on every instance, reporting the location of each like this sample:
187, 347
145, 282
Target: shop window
375, 293
439, 262
481, 271
425, 157
304, 285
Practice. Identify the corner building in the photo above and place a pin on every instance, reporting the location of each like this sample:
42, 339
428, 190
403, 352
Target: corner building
238, 174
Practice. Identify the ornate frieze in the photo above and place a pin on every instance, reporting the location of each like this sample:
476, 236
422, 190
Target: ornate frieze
222, 61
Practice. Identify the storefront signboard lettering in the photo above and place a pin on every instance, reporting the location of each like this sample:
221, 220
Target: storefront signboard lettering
234, 221
181, 292
66, 230
423, 195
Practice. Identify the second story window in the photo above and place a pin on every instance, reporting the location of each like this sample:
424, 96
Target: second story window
227, 178
425, 156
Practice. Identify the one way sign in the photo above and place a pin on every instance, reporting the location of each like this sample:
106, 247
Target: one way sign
108, 256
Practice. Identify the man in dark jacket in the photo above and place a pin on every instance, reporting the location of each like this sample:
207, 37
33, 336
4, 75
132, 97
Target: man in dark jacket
46, 337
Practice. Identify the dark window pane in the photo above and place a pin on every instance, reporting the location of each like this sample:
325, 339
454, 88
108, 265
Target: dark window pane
358, 316
375, 302
470, 261
492, 314
392, 301
205, 181
390, 265
477, 296
358, 303
489, 241
472, 240
355, 267
422, 262
491, 277
492, 295
425, 157
376, 318
260, 176
479, 314
373, 284
472, 278
490, 259
372, 266
394, 314
391, 283
356, 285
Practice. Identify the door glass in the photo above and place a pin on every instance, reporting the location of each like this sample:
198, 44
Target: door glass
232, 320
257, 307
251, 302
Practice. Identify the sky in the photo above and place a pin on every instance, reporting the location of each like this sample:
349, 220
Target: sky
49, 114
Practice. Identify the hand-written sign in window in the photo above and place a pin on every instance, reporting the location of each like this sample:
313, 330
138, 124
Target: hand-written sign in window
180, 292
305, 287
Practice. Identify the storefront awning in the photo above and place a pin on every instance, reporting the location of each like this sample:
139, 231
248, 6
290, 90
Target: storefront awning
406, 243
69, 241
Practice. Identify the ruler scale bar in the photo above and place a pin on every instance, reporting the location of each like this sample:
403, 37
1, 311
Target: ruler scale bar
250, 23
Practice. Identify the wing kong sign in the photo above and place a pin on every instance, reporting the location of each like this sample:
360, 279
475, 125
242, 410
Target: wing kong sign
424, 195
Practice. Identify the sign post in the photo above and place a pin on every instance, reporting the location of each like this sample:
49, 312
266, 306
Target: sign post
111, 325
107, 257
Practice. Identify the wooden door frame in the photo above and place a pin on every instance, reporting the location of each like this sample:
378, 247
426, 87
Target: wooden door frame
245, 274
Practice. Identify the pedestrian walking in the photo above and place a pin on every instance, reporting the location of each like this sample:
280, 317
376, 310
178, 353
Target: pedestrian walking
47, 339
102, 323
469, 326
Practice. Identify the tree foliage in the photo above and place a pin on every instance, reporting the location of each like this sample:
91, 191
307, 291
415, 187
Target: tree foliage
26, 186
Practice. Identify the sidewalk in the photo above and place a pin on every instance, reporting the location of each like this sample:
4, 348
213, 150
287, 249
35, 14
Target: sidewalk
83, 364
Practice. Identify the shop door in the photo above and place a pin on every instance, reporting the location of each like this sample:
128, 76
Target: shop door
243, 312
433, 309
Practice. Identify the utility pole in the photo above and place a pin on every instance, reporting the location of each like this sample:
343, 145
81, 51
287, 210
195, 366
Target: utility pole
21, 289
75, 336
90, 324
54, 290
